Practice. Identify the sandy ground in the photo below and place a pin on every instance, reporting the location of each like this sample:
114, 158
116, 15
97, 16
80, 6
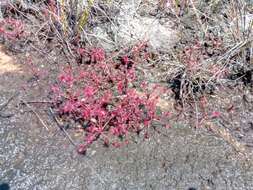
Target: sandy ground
32, 157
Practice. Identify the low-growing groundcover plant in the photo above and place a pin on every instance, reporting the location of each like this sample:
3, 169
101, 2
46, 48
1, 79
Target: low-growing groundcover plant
11, 29
104, 94
106, 97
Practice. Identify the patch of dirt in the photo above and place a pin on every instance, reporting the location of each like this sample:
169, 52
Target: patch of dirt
7, 63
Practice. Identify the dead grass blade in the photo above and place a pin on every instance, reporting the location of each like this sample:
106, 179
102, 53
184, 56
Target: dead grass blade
62, 128
36, 114
3, 105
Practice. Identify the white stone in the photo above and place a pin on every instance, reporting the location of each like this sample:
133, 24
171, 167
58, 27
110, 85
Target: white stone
160, 37
130, 28
133, 28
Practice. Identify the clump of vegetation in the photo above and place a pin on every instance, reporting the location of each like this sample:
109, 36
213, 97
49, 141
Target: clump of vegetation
11, 29
106, 97
214, 50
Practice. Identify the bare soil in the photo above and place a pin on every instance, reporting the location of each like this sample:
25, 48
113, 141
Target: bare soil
32, 157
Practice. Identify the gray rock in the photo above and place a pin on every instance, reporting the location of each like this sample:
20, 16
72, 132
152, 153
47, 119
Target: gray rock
160, 37
130, 27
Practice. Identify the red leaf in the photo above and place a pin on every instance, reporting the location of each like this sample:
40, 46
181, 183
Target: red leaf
81, 149
89, 91
120, 87
215, 114
97, 55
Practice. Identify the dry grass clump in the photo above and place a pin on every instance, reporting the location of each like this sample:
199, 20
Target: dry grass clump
215, 47
63, 21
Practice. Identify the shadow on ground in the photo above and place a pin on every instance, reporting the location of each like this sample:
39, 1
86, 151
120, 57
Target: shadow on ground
4, 186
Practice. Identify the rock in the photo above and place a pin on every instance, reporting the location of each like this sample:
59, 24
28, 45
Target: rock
130, 26
134, 27
103, 39
160, 37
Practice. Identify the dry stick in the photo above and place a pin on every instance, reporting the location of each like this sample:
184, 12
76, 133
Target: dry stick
197, 112
36, 114
40, 102
73, 143
230, 53
224, 133
62, 128
198, 17
63, 41
1, 14
2, 106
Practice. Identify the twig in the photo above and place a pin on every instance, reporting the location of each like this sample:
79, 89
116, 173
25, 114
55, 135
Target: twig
3, 105
196, 109
198, 17
62, 128
106, 124
36, 114
73, 143
224, 134
39, 102
1, 14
